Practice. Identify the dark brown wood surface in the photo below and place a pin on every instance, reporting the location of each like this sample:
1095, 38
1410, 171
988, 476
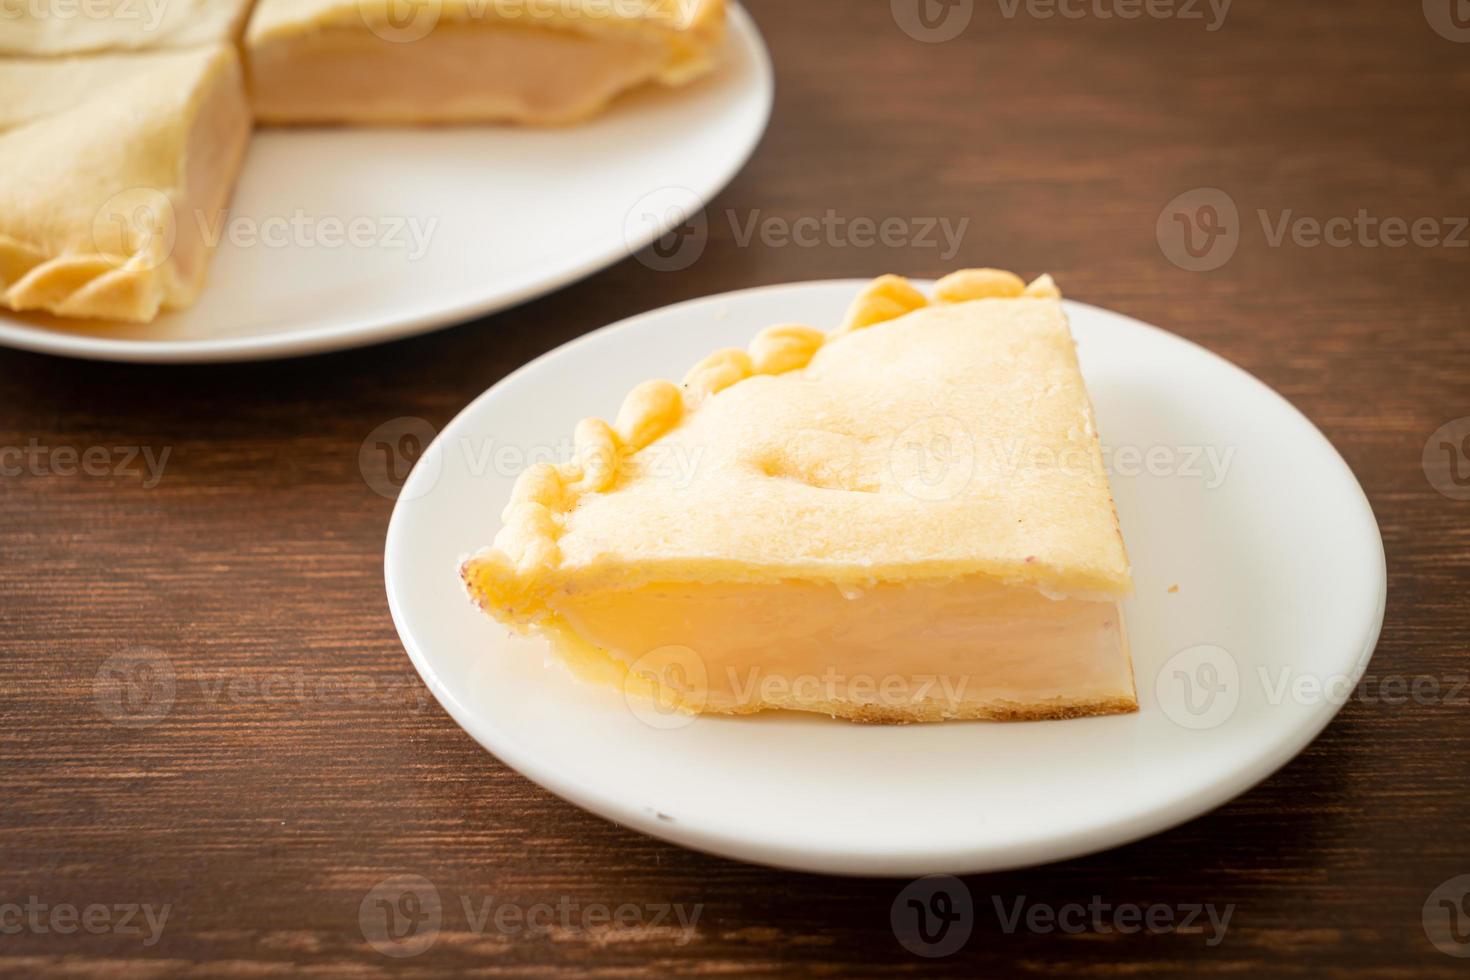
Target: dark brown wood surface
302, 762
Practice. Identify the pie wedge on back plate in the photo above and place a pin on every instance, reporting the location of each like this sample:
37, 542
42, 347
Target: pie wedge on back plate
445, 61
906, 519
115, 173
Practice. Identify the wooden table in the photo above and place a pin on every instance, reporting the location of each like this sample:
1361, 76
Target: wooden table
301, 761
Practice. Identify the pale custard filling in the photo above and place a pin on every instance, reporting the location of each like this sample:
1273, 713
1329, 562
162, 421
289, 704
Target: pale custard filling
458, 72
212, 156
963, 648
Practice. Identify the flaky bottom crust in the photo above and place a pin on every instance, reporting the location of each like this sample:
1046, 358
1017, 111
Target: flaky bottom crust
933, 711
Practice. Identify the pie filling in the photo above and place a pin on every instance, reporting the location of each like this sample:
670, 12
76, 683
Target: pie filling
212, 158
458, 72
965, 648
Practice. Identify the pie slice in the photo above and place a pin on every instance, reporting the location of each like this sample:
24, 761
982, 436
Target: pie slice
906, 519
441, 61
115, 170
48, 28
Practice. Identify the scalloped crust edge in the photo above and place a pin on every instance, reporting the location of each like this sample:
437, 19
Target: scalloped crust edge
93, 285
506, 575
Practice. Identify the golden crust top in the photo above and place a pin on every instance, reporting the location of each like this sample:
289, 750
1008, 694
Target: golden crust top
511, 574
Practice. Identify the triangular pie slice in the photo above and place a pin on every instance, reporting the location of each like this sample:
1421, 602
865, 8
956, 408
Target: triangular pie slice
50, 28
906, 519
115, 172
446, 61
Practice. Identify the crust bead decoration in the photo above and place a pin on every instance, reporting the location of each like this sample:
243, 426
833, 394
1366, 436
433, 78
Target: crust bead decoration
968, 284
885, 298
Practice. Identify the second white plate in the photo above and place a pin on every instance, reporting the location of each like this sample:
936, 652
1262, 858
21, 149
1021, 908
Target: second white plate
337, 238
1260, 593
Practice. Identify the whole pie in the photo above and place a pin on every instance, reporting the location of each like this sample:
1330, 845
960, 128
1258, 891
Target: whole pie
435, 61
114, 170
904, 519
123, 122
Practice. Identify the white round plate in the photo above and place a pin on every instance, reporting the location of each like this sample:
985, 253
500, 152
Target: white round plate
338, 238
1223, 489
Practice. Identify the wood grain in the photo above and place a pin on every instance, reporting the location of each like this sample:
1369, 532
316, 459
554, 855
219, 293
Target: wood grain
262, 815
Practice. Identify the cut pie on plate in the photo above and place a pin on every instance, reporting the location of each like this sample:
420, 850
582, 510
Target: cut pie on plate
906, 519
115, 172
435, 61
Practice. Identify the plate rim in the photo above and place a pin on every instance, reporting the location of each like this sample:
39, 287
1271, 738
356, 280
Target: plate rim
384, 329
899, 861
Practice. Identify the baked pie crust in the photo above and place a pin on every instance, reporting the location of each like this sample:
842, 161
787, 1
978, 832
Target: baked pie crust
446, 61
905, 519
114, 169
